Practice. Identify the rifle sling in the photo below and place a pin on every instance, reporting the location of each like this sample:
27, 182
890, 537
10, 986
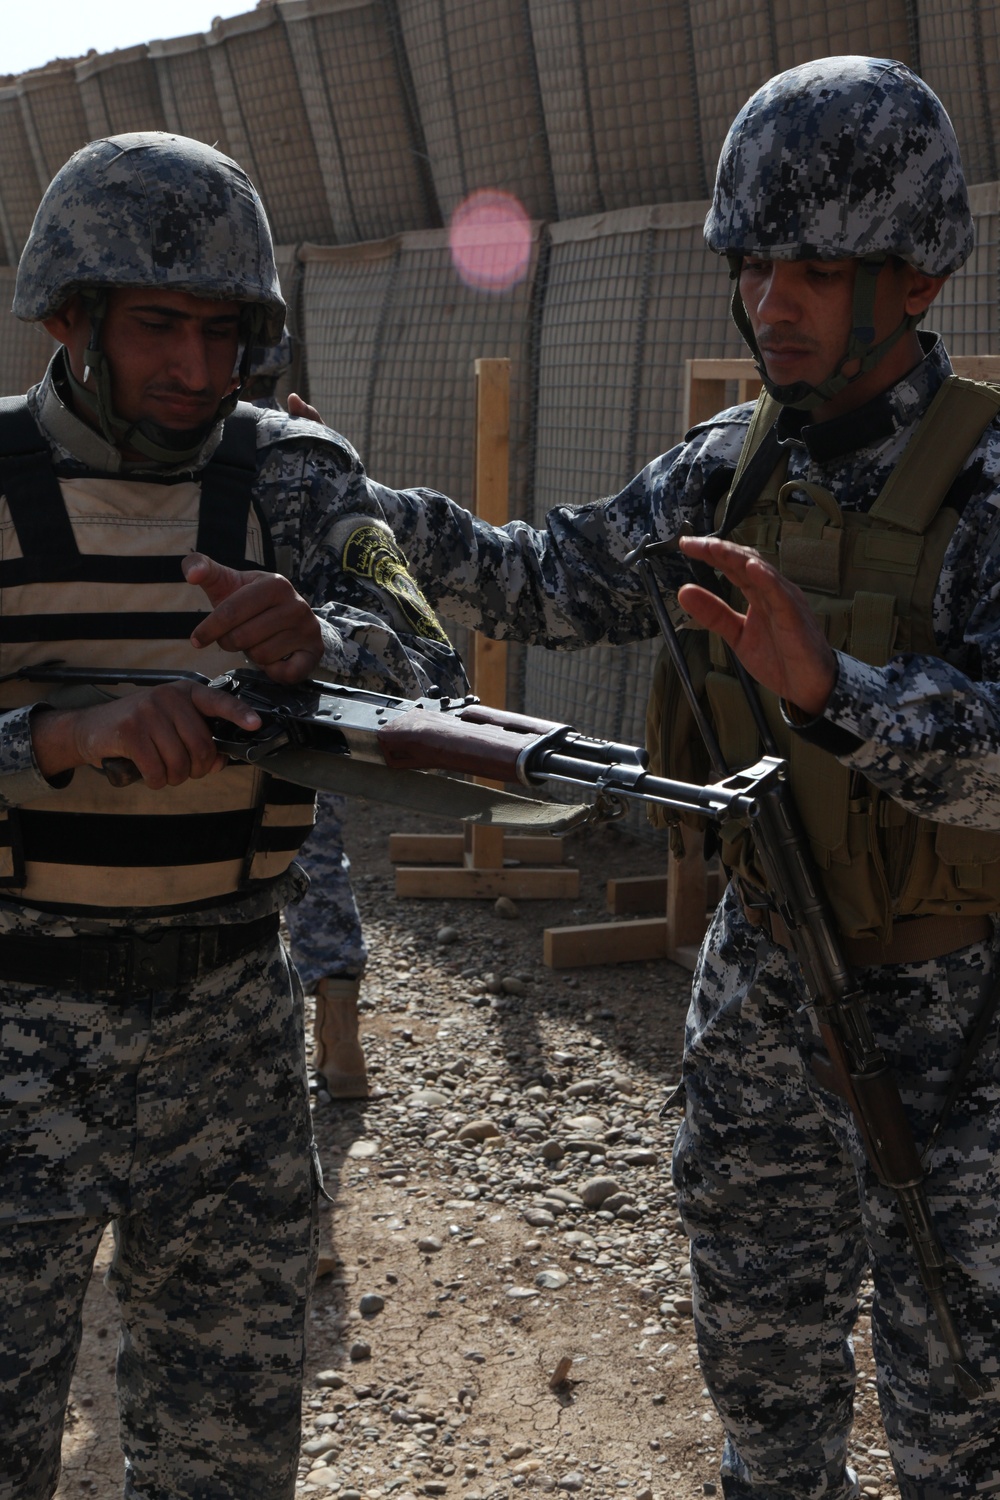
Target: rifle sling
420, 791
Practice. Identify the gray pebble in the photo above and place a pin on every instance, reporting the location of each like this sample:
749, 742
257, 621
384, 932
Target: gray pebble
360, 1351
596, 1189
371, 1302
429, 1245
551, 1280
447, 935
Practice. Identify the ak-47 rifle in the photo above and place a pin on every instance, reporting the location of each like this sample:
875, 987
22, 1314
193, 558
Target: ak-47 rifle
328, 737
858, 1068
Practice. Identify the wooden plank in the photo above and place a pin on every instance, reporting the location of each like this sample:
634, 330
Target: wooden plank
637, 893
605, 943
977, 366
738, 367
702, 397
449, 849
448, 883
426, 848
483, 846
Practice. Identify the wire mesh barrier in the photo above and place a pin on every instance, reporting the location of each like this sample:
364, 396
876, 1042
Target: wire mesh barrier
368, 137
629, 296
53, 115
266, 121
617, 86
739, 44
120, 92
187, 89
966, 311
20, 188
25, 349
392, 336
476, 84
960, 58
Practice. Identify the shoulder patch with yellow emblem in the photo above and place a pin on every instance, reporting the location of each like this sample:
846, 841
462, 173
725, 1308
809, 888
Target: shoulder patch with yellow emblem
371, 552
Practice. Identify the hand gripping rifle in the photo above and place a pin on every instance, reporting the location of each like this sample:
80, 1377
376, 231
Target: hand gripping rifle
858, 1068
329, 737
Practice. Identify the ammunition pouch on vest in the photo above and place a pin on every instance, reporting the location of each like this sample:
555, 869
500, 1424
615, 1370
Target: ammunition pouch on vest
90, 573
870, 579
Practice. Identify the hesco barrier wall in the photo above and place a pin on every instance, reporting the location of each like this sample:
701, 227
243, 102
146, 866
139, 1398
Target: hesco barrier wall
365, 123
53, 115
187, 89
24, 349
359, 100
120, 92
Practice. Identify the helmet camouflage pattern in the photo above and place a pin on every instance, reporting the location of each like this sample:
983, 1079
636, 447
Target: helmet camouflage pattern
145, 210
843, 157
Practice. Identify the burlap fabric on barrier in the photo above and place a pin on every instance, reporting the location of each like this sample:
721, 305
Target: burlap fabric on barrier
266, 123
53, 116
187, 89
617, 82
739, 44
25, 349
120, 92
354, 80
960, 59
630, 296
20, 187
473, 67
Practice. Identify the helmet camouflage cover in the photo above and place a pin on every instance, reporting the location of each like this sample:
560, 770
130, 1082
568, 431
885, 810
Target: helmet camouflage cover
145, 210
843, 157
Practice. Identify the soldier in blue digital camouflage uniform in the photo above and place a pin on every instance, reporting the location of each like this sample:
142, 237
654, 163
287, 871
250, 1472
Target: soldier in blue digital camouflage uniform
152, 1069
328, 945
841, 205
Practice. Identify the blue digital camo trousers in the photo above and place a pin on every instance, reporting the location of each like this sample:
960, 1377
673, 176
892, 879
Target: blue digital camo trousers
784, 1215
324, 927
183, 1118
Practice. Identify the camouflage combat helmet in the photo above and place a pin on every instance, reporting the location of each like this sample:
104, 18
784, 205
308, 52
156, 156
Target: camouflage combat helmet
842, 157
150, 210
266, 365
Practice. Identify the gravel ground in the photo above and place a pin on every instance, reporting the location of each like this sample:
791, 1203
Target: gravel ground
504, 1297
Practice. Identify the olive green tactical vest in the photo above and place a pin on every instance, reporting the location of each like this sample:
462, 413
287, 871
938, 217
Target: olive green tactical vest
871, 580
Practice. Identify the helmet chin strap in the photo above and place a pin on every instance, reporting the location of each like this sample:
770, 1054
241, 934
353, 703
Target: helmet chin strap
159, 444
860, 344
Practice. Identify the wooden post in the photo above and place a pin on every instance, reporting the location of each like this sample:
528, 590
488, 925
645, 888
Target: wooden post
482, 853
484, 847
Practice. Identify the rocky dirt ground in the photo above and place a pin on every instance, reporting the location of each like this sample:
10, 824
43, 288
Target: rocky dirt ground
504, 1298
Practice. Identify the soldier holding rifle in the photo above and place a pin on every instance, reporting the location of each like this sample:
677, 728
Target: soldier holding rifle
152, 1069
851, 524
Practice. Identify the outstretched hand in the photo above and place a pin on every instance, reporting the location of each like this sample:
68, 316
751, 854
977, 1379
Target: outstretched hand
778, 639
259, 614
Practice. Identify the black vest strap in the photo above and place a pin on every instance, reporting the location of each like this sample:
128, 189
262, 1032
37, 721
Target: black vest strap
226, 493
28, 480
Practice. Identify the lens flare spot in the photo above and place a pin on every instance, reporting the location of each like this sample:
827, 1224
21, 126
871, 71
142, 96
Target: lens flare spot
490, 240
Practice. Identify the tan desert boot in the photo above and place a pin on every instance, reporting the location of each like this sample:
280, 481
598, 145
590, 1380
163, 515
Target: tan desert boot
339, 1058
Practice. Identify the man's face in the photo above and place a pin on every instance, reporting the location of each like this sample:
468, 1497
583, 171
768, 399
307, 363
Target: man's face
171, 354
802, 312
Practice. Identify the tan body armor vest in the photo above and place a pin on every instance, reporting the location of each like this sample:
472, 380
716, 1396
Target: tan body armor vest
90, 575
870, 579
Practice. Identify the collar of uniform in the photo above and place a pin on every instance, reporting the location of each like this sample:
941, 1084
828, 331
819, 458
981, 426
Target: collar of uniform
879, 419
77, 443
